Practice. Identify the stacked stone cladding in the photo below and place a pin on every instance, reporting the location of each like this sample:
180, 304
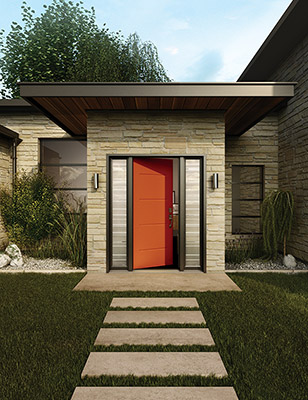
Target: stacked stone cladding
258, 146
5, 176
31, 127
293, 144
156, 133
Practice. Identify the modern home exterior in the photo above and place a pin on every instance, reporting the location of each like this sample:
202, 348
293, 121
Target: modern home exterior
169, 171
284, 57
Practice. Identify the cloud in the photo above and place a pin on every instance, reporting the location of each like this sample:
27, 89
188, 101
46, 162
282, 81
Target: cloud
205, 67
172, 50
177, 24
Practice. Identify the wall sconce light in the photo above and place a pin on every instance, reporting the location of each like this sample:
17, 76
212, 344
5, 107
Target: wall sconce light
215, 181
96, 181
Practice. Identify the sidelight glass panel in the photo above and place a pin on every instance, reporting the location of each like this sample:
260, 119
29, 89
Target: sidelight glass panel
119, 219
192, 212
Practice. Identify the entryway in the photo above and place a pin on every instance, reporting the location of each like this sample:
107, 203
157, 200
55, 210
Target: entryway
156, 212
155, 280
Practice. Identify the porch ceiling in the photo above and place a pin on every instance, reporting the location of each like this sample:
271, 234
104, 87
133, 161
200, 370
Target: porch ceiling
244, 104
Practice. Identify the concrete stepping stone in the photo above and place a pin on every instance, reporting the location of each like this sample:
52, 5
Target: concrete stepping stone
154, 393
156, 317
154, 364
150, 302
154, 336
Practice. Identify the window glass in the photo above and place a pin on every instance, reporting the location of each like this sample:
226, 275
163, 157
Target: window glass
245, 225
63, 151
247, 197
67, 176
65, 160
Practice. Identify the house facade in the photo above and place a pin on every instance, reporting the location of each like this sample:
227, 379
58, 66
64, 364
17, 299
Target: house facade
168, 171
284, 56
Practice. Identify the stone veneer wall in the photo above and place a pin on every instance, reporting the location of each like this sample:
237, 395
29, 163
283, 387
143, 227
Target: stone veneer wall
155, 133
31, 127
5, 175
293, 144
258, 146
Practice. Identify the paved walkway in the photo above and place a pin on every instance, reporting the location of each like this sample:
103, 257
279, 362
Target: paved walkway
161, 364
156, 281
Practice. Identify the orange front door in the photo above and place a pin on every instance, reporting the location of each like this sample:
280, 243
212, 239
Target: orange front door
152, 213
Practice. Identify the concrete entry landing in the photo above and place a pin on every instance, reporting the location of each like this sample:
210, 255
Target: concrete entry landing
156, 281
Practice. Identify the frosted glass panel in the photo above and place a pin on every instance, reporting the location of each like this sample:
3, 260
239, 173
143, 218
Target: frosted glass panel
192, 172
119, 222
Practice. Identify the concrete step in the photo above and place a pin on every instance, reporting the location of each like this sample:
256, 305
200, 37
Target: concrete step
156, 317
150, 302
154, 364
154, 336
154, 393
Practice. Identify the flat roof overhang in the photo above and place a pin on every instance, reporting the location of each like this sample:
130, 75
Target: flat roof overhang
244, 104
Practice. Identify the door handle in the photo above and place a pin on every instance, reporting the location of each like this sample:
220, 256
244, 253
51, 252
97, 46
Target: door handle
171, 220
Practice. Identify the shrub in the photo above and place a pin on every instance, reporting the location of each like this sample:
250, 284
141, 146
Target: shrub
277, 216
28, 211
239, 250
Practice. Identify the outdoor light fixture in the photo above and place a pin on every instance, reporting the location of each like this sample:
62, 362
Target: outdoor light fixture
96, 181
215, 180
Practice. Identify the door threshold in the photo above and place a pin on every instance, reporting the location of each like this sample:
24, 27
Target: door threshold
152, 271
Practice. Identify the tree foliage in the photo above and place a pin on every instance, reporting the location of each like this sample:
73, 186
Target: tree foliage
64, 43
277, 216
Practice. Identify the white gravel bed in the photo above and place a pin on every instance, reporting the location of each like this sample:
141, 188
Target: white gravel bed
48, 264
266, 265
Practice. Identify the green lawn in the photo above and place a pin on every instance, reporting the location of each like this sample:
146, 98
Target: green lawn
47, 332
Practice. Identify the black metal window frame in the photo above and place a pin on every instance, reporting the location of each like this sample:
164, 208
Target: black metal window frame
182, 206
261, 166
41, 164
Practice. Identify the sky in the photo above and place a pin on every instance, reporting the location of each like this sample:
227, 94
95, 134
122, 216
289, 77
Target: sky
197, 40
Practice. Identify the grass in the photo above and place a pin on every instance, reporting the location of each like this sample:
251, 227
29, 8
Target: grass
47, 332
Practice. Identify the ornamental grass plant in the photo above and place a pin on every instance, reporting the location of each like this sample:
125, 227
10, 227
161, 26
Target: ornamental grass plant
277, 217
240, 250
71, 226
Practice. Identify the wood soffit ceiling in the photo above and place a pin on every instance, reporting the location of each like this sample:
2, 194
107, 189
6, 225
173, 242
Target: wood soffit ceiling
243, 104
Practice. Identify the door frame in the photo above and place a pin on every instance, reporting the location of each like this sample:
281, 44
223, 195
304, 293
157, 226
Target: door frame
129, 208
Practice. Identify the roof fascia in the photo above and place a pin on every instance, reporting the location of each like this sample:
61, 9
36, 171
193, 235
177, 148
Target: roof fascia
8, 133
238, 89
285, 35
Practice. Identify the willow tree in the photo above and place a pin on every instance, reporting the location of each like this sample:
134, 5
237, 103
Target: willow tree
64, 43
277, 215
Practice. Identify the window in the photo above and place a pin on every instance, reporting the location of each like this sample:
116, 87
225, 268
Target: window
247, 197
65, 160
